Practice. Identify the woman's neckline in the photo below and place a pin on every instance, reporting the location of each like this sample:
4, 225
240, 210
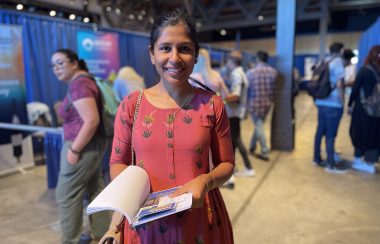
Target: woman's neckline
195, 93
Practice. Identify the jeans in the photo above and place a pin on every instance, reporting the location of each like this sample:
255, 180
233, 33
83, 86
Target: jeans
259, 135
328, 123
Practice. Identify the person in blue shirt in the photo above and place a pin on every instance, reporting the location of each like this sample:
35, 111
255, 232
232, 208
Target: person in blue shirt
330, 111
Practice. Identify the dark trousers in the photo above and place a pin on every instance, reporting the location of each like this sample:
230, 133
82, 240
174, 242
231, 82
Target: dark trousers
370, 155
237, 142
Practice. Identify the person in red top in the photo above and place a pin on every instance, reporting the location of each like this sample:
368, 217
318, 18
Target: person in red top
176, 127
83, 149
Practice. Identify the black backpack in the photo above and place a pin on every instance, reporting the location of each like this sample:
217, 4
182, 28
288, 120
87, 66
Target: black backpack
320, 86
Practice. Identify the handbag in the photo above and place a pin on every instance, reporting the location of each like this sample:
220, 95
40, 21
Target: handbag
115, 233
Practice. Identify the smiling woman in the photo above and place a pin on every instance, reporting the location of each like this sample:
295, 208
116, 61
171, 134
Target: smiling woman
176, 128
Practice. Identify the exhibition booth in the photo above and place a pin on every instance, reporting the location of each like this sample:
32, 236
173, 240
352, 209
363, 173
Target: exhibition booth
27, 42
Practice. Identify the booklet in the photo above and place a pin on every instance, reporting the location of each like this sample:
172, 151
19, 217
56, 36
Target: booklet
129, 194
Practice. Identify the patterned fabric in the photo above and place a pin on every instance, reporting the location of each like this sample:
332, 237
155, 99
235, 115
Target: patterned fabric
173, 150
261, 89
82, 87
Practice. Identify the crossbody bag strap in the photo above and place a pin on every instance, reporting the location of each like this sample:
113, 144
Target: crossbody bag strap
133, 126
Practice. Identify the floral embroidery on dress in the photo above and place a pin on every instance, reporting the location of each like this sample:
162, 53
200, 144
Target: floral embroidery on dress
186, 117
162, 228
199, 240
199, 149
118, 149
147, 123
169, 125
199, 164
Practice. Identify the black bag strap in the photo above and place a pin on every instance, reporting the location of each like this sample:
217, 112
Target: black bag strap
201, 85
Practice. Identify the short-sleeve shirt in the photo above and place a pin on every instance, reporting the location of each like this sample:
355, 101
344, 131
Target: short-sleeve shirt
237, 85
336, 69
82, 87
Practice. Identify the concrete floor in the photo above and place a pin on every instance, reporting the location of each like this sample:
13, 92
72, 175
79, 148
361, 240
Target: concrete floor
288, 201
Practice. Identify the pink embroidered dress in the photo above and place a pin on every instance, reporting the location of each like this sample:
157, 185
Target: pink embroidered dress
174, 151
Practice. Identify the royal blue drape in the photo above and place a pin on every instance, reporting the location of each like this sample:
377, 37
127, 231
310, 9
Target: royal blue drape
43, 35
368, 39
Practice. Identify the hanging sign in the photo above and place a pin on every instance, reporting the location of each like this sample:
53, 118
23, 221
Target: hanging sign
100, 50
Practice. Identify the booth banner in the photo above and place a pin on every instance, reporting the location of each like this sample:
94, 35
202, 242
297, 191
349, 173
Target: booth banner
100, 50
15, 146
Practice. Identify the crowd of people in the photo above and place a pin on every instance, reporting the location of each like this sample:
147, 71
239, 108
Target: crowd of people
188, 127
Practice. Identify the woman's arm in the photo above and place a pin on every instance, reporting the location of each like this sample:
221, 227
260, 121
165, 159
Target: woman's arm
116, 169
204, 183
88, 111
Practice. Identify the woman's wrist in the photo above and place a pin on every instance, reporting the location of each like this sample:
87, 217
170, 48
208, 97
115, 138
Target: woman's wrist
74, 151
209, 182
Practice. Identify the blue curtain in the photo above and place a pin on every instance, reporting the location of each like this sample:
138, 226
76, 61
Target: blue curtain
369, 39
43, 35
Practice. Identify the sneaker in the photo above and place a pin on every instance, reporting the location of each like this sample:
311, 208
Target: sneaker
363, 166
335, 169
321, 164
337, 157
264, 157
356, 161
230, 183
245, 173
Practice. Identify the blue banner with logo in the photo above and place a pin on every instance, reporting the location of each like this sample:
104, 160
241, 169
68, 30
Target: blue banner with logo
100, 50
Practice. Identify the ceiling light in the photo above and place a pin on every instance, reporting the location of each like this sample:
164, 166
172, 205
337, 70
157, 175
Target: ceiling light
140, 17
223, 32
143, 12
131, 17
118, 11
260, 17
108, 9
86, 19
19, 7
72, 17
52, 13
198, 24
151, 20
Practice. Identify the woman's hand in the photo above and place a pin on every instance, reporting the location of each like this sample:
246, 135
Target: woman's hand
198, 187
72, 158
